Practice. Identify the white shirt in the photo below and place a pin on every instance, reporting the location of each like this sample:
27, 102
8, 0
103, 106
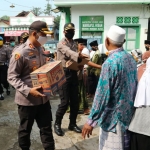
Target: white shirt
86, 52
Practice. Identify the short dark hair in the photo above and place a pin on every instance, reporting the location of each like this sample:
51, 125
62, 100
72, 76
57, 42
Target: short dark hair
31, 31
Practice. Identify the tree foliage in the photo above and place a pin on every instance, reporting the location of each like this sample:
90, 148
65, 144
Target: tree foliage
56, 27
37, 11
47, 10
56, 22
5, 18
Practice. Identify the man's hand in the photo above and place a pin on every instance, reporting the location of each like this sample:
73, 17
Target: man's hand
87, 130
34, 91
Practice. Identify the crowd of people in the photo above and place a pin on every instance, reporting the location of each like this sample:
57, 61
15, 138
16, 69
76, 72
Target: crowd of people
117, 81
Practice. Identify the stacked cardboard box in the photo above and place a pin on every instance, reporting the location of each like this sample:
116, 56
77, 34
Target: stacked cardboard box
50, 77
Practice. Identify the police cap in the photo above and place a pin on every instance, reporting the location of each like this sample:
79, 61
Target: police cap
24, 35
69, 26
40, 26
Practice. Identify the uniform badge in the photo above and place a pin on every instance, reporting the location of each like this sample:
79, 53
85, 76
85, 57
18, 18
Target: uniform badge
17, 56
34, 68
31, 53
31, 46
34, 62
69, 25
64, 43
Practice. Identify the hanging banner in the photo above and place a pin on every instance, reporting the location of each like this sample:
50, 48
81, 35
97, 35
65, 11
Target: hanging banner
14, 33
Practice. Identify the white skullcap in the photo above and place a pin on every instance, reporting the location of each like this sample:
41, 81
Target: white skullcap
116, 34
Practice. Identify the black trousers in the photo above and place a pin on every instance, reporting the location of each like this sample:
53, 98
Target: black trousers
43, 116
69, 93
92, 83
140, 142
3, 78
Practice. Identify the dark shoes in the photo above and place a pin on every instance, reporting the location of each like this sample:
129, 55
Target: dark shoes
1, 97
58, 130
75, 128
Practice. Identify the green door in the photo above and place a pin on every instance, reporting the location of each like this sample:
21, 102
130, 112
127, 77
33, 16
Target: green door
132, 37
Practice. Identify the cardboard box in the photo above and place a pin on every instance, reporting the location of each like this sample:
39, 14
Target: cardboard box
74, 65
50, 76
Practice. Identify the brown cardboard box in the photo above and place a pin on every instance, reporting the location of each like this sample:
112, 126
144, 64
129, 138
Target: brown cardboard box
74, 65
50, 76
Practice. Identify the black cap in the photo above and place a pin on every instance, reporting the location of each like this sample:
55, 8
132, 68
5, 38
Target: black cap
94, 43
81, 40
40, 26
69, 26
24, 35
147, 42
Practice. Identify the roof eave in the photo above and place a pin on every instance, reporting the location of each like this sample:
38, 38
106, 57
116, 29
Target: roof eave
66, 4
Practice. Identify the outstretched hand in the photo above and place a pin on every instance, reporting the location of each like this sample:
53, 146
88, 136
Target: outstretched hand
87, 130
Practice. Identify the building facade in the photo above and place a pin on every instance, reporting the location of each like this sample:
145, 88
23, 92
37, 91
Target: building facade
21, 23
92, 19
3, 24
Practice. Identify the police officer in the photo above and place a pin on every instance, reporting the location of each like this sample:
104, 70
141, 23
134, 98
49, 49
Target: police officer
4, 58
67, 50
23, 37
32, 104
11, 46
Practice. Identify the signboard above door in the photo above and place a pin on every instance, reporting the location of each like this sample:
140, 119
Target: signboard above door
92, 23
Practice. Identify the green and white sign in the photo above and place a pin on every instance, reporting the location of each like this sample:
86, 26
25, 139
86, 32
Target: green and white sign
92, 23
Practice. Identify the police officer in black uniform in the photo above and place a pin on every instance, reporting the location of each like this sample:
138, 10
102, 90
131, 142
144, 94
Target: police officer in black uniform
4, 58
23, 37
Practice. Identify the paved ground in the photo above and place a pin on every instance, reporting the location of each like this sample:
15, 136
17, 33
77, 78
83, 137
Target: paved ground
71, 141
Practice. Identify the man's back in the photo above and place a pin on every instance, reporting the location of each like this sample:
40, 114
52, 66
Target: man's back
116, 90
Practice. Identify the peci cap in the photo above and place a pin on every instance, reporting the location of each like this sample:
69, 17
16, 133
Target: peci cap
147, 42
40, 26
81, 40
24, 35
116, 34
69, 26
94, 43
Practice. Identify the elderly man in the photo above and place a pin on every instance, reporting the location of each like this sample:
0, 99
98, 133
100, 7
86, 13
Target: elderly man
113, 104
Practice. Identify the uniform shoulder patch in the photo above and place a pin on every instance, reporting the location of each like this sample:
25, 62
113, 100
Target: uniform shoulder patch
17, 56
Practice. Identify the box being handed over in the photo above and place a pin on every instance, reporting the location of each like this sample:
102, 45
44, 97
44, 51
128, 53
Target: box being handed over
74, 65
50, 77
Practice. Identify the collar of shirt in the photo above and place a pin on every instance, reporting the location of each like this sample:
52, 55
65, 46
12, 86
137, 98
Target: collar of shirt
115, 50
